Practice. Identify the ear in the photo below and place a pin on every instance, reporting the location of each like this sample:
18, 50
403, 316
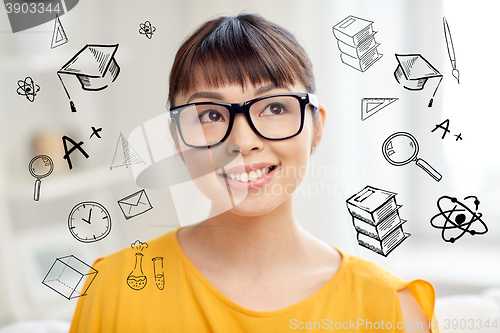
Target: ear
318, 129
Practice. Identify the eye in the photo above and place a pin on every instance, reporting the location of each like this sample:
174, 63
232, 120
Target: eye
274, 110
210, 116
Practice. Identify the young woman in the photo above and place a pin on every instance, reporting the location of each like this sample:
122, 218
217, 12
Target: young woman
242, 91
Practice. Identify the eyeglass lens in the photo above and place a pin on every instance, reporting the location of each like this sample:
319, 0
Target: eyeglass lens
274, 118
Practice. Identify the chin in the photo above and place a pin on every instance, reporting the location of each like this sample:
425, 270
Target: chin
255, 205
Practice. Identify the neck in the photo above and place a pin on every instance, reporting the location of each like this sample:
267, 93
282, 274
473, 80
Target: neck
263, 242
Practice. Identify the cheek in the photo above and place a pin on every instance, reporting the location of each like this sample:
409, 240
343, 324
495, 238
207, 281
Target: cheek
300, 146
294, 154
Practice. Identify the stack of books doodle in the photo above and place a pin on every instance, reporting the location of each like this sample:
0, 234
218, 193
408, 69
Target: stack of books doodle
375, 215
356, 42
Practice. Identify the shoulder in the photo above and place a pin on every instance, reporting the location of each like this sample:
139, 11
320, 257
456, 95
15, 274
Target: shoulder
415, 297
365, 272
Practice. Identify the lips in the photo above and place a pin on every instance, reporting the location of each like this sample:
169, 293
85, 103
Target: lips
246, 177
249, 176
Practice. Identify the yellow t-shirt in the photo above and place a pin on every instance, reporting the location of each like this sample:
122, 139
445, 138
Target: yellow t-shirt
361, 296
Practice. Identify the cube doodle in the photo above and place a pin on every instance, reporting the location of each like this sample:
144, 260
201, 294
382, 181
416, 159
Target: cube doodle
67, 277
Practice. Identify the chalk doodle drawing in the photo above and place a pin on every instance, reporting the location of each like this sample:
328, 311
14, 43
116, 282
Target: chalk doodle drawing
135, 204
146, 29
27, 88
95, 132
370, 106
402, 148
89, 222
375, 216
67, 152
124, 149
59, 36
136, 279
95, 67
40, 166
457, 218
356, 42
445, 125
451, 50
413, 72
67, 277
158, 272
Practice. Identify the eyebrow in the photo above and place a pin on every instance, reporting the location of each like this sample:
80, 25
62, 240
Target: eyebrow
205, 94
269, 87
217, 96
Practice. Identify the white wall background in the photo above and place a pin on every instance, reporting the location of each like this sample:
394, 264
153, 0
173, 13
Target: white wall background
33, 234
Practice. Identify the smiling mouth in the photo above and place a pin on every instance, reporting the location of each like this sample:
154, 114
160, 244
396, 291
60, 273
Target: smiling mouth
249, 176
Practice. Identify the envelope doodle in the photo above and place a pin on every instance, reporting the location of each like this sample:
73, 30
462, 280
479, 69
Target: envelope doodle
135, 204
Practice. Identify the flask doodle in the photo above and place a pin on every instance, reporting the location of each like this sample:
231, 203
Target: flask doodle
136, 279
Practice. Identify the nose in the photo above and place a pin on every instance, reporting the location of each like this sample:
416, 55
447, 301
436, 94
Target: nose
243, 135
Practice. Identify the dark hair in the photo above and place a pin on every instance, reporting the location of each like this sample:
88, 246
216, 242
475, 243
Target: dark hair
240, 49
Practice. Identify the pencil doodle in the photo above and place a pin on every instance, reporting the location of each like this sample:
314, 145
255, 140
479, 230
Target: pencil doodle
130, 156
455, 213
370, 106
375, 216
97, 222
67, 152
59, 36
402, 148
158, 272
95, 67
135, 204
67, 277
451, 50
356, 42
446, 130
147, 29
40, 166
136, 279
413, 72
27, 88
95, 132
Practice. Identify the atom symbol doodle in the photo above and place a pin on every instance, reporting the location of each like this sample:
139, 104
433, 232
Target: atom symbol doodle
455, 218
147, 29
28, 88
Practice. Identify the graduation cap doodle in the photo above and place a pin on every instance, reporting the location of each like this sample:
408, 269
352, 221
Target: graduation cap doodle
413, 71
94, 66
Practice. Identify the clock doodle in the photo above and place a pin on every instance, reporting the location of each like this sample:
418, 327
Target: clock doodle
89, 222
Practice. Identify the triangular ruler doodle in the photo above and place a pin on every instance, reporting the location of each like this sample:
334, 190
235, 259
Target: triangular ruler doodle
58, 35
370, 106
124, 149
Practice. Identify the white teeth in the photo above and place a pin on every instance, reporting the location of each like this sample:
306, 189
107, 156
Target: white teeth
244, 177
251, 176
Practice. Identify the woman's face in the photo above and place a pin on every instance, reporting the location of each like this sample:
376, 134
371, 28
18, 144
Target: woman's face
247, 174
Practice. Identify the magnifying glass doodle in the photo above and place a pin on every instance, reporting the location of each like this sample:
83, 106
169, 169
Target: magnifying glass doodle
401, 148
40, 167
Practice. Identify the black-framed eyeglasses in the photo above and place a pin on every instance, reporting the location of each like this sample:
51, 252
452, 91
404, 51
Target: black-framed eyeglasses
273, 117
